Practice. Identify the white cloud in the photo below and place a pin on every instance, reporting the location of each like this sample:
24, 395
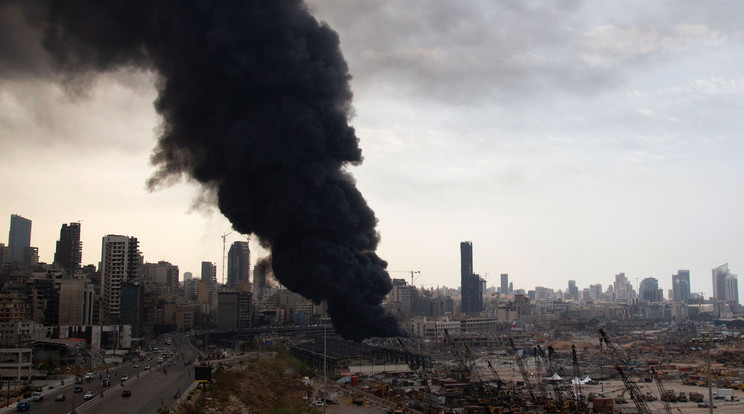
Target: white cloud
608, 45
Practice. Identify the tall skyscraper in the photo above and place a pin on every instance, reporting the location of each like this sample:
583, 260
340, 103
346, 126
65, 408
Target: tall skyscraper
725, 284
505, 284
238, 263
69, 252
120, 263
681, 286
573, 290
187, 276
209, 274
470, 286
623, 289
19, 237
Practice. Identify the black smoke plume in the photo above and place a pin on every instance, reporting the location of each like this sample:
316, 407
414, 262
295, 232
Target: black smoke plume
255, 102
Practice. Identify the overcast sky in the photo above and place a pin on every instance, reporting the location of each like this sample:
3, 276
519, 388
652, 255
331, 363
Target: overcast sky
565, 139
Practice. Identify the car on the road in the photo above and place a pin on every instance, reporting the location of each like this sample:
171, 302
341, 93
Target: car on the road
124, 377
36, 396
126, 393
23, 406
136, 365
77, 389
60, 397
105, 383
88, 395
78, 380
147, 367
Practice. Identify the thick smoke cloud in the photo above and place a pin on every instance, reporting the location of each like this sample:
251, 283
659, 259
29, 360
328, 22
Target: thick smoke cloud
255, 100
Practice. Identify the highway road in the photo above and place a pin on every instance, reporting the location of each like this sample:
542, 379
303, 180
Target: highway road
148, 390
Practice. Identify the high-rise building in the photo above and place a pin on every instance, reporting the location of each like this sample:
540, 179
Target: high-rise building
573, 290
649, 290
228, 306
681, 286
238, 263
120, 263
19, 237
75, 302
259, 279
732, 289
209, 274
187, 276
4, 253
29, 256
505, 284
470, 286
132, 307
161, 273
623, 289
69, 252
725, 284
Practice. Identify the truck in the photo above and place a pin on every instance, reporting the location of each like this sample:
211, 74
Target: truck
722, 393
696, 397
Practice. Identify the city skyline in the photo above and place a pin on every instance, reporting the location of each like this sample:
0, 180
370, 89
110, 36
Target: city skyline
466, 266
567, 142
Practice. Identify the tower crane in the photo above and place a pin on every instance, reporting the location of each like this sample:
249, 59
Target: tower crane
622, 369
224, 237
411, 272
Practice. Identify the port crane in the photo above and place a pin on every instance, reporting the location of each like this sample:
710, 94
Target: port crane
622, 369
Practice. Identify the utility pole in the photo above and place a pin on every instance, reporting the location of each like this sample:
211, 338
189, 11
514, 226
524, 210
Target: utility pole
224, 236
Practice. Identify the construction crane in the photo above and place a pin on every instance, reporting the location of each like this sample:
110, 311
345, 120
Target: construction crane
411, 272
538, 368
576, 380
495, 373
224, 238
663, 395
622, 369
522, 369
552, 367
459, 356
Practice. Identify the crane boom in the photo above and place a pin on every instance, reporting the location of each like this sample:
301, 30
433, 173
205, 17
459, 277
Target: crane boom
522, 369
662, 392
628, 380
578, 395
